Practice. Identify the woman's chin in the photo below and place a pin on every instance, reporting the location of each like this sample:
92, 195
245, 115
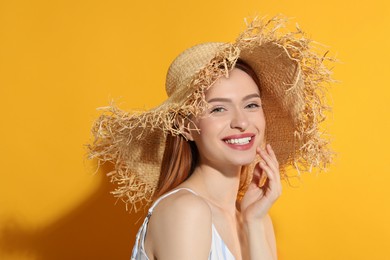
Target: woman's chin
244, 160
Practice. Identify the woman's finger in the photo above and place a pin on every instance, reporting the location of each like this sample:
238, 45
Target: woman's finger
270, 173
277, 173
270, 162
270, 159
272, 154
273, 183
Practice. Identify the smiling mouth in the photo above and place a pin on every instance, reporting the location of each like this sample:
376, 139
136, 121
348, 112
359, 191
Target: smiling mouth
239, 141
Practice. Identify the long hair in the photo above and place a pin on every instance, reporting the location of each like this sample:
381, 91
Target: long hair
179, 161
181, 156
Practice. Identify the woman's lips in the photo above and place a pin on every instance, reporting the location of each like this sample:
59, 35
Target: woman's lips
240, 142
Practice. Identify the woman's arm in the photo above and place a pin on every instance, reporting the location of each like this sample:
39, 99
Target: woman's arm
270, 234
261, 239
180, 228
255, 205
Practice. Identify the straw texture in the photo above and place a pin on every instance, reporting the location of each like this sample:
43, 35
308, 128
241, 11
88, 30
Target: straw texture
293, 80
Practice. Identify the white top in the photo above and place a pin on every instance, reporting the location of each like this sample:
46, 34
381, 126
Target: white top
218, 251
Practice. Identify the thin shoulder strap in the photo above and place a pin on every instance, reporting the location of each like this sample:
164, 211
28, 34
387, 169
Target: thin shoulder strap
166, 195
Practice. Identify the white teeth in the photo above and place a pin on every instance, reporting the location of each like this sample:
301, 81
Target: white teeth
244, 140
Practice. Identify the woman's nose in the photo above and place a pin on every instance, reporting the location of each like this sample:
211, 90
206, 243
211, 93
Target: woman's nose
239, 120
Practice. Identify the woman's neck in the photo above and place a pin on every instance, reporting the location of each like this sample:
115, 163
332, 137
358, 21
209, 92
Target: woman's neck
218, 186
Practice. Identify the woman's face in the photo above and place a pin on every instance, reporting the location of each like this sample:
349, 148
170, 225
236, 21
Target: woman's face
234, 124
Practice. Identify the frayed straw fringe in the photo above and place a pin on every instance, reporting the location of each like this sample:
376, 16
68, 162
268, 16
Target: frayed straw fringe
313, 150
115, 129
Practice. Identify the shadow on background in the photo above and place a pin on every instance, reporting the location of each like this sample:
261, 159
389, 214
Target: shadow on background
97, 229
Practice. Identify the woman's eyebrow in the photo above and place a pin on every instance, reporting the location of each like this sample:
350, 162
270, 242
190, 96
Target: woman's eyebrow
254, 95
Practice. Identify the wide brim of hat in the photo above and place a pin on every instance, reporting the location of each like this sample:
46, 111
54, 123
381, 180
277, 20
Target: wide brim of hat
293, 79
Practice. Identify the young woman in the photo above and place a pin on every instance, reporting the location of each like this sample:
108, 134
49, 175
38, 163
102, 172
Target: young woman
216, 175
203, 209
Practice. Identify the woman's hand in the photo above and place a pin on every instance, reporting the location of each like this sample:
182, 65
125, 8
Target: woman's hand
257, 200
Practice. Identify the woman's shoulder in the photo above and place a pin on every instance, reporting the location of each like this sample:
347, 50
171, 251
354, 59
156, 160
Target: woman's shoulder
181, 204
180, 221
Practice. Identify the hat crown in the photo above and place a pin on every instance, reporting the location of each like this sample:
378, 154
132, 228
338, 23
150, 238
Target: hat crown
188, 63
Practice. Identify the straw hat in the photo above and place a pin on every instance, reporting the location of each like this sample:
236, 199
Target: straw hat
292, 78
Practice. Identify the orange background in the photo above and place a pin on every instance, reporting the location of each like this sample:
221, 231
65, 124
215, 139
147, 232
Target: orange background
59, 60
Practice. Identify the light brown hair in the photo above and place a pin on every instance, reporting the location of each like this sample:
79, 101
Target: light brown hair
181, 156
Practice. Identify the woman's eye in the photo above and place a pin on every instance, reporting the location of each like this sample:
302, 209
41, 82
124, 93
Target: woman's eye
253, 105
217, 110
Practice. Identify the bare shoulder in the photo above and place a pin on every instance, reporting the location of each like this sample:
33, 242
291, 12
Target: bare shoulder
181, 204
180, 227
